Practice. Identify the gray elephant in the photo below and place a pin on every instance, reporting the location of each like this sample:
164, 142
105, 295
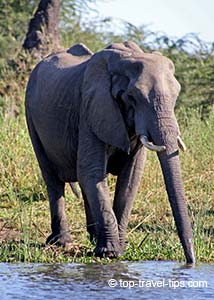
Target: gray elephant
93, 114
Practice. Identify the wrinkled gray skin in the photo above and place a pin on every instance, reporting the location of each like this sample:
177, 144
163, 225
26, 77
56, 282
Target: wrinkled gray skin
85, 114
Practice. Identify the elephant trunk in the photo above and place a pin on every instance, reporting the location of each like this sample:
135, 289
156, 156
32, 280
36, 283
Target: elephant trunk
172, 176
166, 134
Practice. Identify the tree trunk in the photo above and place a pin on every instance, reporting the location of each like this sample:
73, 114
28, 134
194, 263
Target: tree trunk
43, 31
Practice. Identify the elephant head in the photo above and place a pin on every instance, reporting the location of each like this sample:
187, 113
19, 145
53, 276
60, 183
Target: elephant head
131, 93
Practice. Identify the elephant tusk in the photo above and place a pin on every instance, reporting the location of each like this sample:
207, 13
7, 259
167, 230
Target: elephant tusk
181, 144
151, 146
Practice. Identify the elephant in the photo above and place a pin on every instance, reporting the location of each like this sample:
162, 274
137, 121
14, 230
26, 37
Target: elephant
93, 114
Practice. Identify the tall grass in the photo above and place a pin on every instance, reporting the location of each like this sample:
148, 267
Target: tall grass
24, 208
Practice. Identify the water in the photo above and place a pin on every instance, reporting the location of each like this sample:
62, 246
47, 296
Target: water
114, 281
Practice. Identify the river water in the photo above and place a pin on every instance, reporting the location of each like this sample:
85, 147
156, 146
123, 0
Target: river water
113, 281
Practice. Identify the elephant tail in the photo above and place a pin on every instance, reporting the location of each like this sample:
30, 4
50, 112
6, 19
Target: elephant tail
74, 189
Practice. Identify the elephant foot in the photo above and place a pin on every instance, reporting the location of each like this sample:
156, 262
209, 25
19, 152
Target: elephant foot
93, 239
109, 251
92, 235
61, 240
122, 245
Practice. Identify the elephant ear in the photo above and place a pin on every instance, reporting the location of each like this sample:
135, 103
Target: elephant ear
99, 107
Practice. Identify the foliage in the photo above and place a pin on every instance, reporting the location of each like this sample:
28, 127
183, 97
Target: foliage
14, 18
193, 58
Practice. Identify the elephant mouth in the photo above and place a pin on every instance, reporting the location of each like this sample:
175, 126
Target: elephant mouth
149, 145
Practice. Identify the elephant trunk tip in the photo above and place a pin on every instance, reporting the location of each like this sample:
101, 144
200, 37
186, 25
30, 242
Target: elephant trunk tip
190, 264
189, 253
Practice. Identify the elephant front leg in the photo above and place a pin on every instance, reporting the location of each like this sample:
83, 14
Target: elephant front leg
128, 182
91, 171
106, 227
60, 231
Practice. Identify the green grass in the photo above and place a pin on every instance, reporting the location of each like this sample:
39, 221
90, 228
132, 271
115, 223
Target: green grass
24, 208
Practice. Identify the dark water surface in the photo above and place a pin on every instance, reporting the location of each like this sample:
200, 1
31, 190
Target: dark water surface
121, 280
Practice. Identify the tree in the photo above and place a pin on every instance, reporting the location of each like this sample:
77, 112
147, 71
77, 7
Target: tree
43, 31
14, 17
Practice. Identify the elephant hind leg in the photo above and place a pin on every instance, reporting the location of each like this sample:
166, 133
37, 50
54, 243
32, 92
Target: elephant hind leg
60, 230
90, 222
55, 187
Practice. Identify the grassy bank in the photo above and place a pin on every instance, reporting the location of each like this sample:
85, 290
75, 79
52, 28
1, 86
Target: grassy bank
24, 208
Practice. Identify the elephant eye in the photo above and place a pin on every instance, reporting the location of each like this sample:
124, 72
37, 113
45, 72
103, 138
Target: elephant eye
132, 100
120, 93
120, 101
